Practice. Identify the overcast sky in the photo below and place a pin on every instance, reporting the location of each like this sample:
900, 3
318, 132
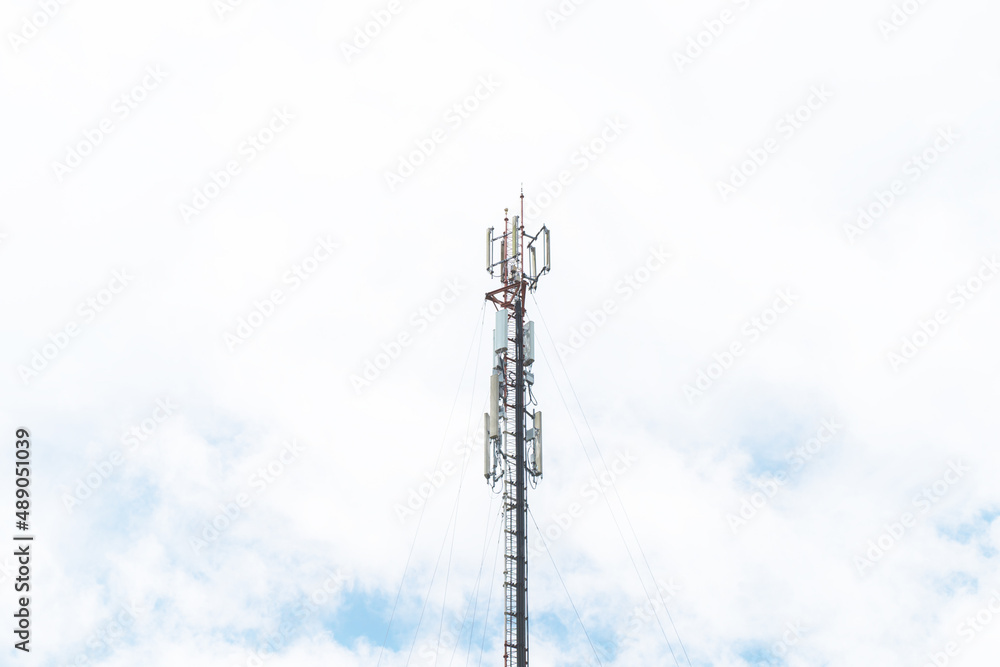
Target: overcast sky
242, 264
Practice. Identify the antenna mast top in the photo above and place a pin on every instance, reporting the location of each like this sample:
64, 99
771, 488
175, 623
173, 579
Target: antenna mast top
507, 458
507, 252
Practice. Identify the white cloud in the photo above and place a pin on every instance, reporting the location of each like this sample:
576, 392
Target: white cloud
332, 508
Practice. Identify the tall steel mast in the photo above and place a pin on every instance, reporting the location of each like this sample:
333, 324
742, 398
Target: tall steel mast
506, 456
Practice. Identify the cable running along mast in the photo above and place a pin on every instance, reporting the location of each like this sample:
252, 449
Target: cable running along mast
511, 424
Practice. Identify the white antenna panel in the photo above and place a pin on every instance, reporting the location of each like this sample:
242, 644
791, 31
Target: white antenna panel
529, 343
514, 238
489, 250
538, 443
500, 332
487, 446
494, 416
548, 250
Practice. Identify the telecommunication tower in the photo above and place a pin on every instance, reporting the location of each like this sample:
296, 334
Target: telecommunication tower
513, 422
